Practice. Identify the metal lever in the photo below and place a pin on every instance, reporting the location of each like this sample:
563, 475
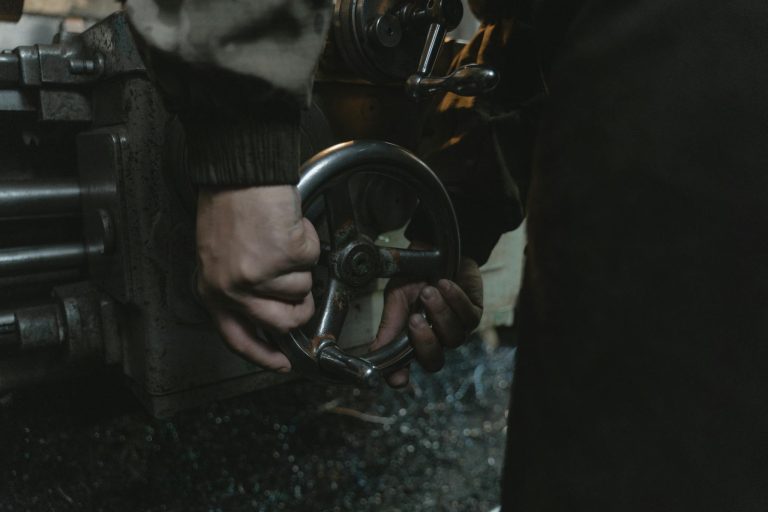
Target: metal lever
469, 80
349, 368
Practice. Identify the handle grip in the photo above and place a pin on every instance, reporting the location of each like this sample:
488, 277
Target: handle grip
469, 80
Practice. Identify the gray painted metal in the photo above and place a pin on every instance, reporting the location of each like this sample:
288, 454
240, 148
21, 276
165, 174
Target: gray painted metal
39, 197
28, 260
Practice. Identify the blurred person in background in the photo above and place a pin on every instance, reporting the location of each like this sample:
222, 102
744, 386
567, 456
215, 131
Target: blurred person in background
641, 379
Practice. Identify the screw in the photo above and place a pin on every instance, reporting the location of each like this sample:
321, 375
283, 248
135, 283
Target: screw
387, 30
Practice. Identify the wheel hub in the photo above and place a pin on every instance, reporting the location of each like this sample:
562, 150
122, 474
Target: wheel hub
358, 263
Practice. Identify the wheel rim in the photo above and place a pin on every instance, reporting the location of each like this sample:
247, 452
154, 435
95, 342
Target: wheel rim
354, 260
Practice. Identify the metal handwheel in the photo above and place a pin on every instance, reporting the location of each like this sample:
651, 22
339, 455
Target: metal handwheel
353, 261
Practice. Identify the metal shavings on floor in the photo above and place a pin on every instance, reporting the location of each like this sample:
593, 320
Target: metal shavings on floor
436, 446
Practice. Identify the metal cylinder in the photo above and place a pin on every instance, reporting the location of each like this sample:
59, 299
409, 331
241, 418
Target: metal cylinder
7, 320
39, 327
35, 198
9, 69
9, 337
27, 260
32, 328
10, 10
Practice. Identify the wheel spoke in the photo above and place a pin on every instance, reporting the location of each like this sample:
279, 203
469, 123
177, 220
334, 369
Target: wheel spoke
396, 262
341, 215
333, 310
326, 256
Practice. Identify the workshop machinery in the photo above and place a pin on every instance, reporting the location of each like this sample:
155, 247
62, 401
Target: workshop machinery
97, 250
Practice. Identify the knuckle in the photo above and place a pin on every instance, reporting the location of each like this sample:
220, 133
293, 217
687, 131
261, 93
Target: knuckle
303, 283
454, 294
417, 322
293, 320
246, 273
312, 249
301, 317
282, 326
216, 282
302, 249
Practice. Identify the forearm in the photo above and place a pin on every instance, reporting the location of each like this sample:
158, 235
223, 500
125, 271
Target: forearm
237, 73
277, 42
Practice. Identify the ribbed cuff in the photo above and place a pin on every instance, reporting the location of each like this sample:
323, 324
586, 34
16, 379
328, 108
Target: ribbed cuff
248, 151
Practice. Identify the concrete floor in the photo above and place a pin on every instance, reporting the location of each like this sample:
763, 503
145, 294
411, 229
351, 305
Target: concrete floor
436, 446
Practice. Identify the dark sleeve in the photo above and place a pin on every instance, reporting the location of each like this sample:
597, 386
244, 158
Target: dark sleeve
481, 147
238, 73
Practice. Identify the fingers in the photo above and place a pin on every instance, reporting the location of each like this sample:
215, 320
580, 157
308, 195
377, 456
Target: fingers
255, 251
392, 318
312, 242
240, 340
471, 280
291, 287
301, 248
399, 379
445, 322
467, 314
454, 309
397, 306
426, 347
277, 315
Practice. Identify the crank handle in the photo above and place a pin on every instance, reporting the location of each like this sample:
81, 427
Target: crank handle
346, 367
469, 80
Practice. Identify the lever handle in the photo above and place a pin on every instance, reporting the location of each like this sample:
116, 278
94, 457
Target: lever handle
469, 80
347, 367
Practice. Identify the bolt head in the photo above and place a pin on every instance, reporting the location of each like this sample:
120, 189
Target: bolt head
388, 31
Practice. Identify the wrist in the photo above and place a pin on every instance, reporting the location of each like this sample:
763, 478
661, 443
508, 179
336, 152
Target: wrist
249, 151
276, 205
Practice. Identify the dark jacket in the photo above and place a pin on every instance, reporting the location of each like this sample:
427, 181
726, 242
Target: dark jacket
642, 375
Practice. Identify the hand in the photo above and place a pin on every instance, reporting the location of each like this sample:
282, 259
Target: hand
453, 309
255, 252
